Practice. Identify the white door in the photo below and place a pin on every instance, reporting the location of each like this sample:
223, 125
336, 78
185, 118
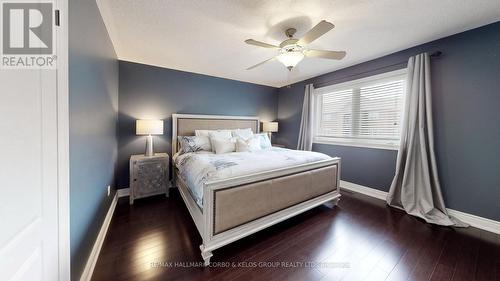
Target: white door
29, 226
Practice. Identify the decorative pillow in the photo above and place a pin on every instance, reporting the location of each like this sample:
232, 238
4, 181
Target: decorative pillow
243, 133
193, 144
222, 134
265, 142
252, 144
223, 145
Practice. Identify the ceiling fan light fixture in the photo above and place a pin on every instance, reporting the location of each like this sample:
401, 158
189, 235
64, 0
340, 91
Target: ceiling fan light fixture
293, 50
290, 58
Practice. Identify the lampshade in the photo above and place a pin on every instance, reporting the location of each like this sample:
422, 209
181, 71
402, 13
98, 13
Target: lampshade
149, 127
290, 59
270, 127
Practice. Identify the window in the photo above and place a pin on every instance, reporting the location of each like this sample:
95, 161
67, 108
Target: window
365, 112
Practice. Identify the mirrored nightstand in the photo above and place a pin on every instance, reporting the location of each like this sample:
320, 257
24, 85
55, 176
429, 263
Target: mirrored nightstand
149, 175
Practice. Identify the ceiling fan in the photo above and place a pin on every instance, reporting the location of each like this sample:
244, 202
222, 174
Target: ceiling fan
292, 50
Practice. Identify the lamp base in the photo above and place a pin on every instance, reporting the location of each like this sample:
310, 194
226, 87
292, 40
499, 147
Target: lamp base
149, 146
270, 134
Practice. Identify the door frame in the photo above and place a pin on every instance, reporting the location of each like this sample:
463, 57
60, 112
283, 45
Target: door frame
62, 43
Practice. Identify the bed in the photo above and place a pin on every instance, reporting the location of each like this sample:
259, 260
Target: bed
247, 191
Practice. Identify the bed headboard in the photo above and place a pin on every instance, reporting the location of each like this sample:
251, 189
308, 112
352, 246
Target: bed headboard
185, 124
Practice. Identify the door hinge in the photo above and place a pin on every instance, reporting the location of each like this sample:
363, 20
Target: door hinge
58, 18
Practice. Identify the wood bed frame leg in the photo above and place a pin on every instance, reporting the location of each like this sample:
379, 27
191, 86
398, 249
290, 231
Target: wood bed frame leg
335, 201
206, 255
332, 203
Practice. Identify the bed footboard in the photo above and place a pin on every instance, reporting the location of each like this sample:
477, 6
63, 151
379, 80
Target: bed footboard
237, 207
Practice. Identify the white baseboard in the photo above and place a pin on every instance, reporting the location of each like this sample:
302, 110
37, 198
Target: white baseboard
372, 192
475, 221
472, 220
96, 249
123, 192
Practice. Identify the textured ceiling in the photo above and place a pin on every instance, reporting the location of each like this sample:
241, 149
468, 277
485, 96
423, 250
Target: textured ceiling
207, 36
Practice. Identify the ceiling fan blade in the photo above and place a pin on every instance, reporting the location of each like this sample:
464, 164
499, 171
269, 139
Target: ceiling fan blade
333, 55
260, 63
317, 31
260, 44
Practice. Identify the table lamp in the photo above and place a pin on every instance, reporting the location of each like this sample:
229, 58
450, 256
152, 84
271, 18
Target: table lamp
270, 128
149, 128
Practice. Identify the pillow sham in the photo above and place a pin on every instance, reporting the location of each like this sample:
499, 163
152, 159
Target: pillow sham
243, 133
223, 145
193, 144
265, 142
250, 145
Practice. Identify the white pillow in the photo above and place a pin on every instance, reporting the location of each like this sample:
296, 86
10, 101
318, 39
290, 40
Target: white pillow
250, 145
200, 133
243, 133
223, 145
265, 142
222, 134
206, 133
213, 134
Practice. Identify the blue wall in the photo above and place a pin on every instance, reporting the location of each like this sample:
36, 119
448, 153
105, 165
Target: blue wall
466, 108
93, 106
154, 92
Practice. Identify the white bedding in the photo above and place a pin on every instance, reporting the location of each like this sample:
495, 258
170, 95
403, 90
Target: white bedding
196, 168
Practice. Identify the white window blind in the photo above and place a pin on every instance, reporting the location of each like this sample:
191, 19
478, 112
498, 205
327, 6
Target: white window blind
380, 110
336, 113
363, 112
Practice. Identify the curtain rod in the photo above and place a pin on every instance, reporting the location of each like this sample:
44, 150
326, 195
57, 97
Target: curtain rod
402, 64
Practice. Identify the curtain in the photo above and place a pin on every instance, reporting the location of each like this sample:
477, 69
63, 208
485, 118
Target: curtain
415, 187
306, 122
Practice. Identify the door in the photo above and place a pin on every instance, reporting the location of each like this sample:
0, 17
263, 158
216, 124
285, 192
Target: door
30, 162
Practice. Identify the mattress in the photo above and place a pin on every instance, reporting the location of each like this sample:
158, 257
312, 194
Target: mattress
196, 168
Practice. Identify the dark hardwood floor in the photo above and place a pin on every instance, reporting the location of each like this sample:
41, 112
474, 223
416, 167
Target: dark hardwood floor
361, 239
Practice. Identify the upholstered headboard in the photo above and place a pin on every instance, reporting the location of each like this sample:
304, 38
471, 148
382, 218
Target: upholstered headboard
185, 124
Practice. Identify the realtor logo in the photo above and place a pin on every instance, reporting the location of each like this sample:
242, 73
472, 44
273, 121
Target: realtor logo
27, 35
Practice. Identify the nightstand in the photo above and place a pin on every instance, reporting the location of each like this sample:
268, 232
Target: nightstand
149, 175
278, 145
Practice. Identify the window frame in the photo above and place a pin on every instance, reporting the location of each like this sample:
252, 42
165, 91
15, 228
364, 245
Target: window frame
358, 83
